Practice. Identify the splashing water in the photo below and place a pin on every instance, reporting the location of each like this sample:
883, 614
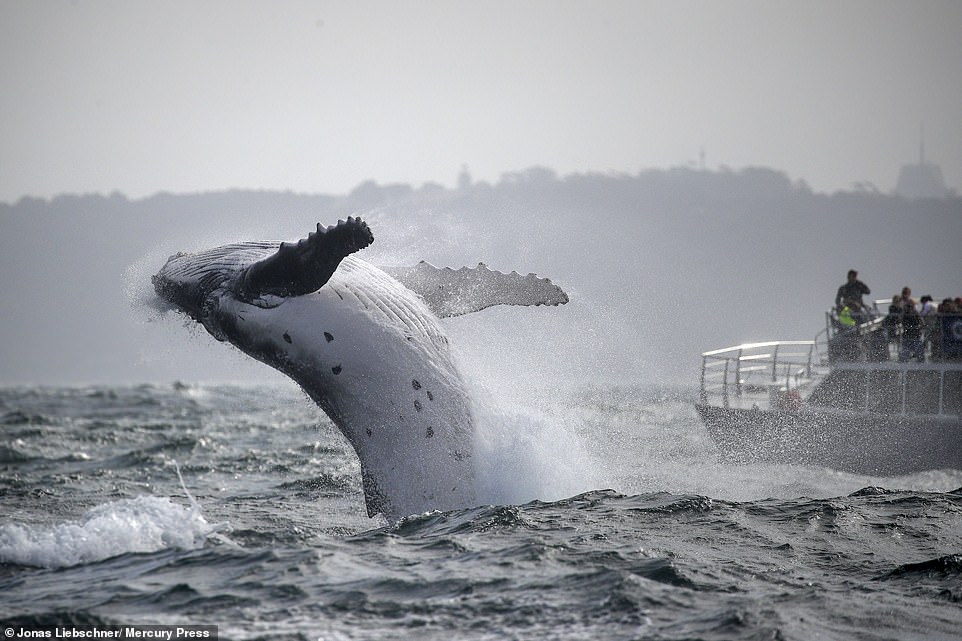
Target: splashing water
140, 525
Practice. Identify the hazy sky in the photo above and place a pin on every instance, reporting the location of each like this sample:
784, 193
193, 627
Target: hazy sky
317, 96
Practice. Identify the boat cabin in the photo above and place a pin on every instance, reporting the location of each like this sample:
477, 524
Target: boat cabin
856, 369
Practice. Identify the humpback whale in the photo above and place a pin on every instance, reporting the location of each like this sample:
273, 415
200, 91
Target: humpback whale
364, 343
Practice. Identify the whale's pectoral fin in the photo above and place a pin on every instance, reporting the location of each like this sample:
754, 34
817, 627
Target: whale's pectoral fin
305, 266
450, 292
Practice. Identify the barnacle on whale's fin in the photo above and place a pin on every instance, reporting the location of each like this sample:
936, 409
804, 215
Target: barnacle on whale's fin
305, 266
452, 292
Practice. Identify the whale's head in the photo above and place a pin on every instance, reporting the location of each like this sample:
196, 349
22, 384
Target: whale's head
257, 272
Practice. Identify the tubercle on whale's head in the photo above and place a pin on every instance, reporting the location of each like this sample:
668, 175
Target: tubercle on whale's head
185, 283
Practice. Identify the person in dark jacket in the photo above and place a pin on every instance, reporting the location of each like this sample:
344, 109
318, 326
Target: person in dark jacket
852, 290
892, 323
912, 346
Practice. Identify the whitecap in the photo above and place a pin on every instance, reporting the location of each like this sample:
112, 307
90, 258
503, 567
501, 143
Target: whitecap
143, 524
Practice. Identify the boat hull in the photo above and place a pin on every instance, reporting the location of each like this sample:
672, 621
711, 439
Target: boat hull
877, 445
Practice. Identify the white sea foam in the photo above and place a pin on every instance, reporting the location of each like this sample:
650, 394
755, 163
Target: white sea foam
142, 524
522, 456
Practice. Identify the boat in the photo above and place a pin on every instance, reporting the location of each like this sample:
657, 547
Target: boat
843, 400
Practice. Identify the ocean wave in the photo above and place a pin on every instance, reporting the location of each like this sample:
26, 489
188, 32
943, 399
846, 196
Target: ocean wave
139, 525
949, 566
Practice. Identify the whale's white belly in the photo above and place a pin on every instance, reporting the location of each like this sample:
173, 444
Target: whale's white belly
373, 357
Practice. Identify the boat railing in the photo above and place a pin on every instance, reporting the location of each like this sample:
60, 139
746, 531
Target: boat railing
865, 327
774, 369
901, 388
821, 341
879, 339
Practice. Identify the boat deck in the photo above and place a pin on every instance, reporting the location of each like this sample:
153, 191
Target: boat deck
857, 370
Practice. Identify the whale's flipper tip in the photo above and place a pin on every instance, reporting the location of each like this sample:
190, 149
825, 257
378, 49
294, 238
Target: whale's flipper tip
450, 292
305, 266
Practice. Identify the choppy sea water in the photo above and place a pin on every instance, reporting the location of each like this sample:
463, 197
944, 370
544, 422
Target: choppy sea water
635, 531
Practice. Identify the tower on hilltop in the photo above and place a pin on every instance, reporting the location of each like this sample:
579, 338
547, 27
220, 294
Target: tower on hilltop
922, 180
464, 179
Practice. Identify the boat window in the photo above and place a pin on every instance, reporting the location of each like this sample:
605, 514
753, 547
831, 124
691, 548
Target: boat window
884, 392
952, 393
842, 389
921, 392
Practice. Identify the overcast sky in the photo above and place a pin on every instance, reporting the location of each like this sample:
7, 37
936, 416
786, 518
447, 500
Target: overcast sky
141, 97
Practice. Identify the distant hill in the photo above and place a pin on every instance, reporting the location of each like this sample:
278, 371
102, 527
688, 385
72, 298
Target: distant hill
660, 266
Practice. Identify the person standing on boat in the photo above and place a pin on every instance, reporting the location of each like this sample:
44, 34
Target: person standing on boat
852, 290
907, 297
932, 324
912, 346
893, 322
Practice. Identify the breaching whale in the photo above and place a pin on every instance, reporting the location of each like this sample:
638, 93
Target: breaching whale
364, 343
